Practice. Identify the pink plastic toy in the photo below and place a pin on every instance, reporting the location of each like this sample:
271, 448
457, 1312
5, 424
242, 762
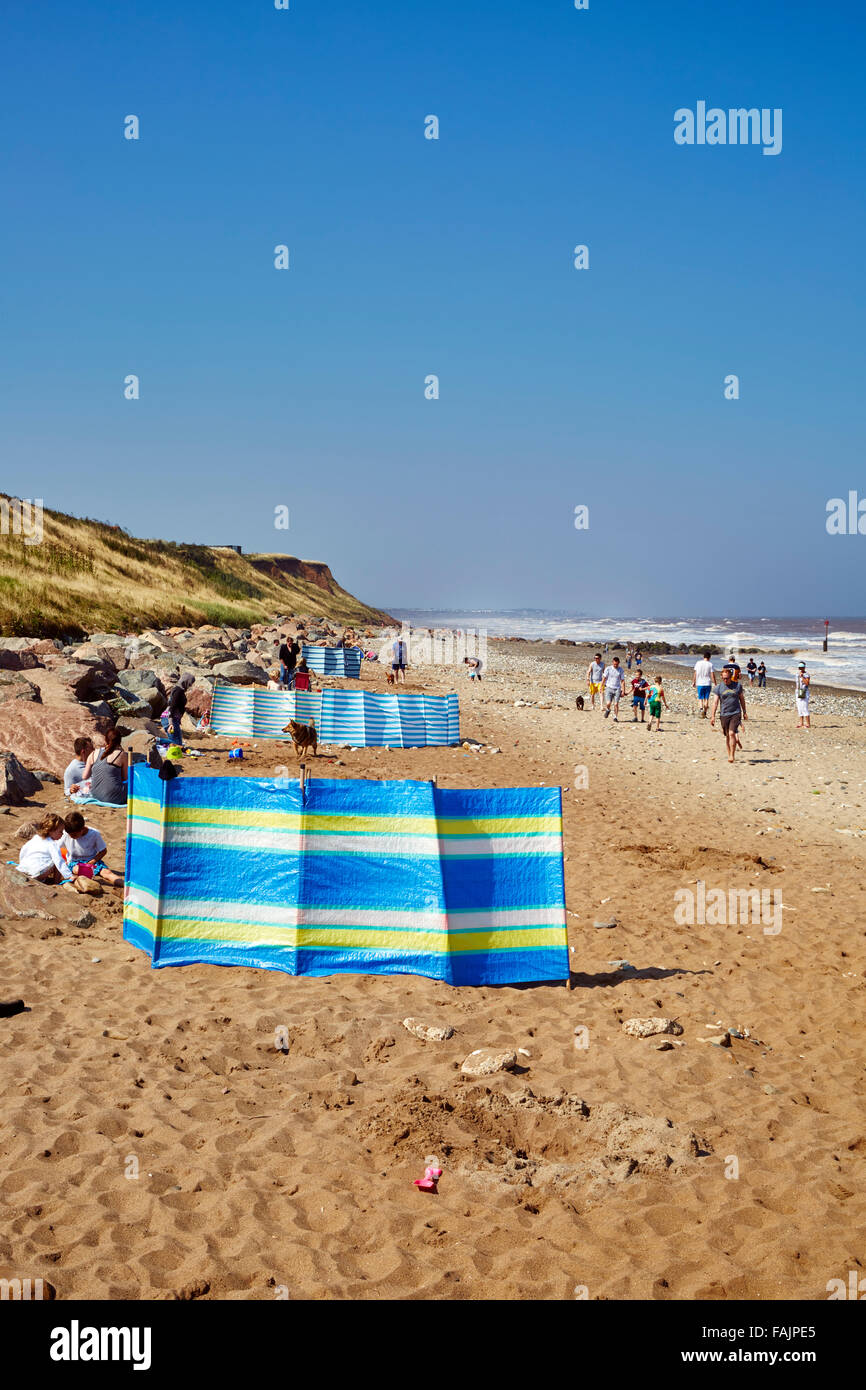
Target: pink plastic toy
429, 1180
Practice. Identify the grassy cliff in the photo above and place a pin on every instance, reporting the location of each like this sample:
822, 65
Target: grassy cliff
86, 576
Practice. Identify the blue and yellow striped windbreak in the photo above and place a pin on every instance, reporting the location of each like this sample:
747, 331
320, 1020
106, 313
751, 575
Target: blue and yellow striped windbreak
360, 718
352, 877
334, 661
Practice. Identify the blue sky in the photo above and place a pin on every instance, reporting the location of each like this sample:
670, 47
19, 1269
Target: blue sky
558, 387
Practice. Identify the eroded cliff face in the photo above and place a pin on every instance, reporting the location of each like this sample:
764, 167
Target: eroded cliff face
282, 567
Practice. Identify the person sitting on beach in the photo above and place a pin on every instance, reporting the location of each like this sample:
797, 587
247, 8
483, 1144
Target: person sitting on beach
73, 775
108, 779
729, 696
656, 699
762, 673
274, 682
42, 856
639, 688
92, 758
86, 850
703, 679
614, 677
301, 676
476, 666
595, 678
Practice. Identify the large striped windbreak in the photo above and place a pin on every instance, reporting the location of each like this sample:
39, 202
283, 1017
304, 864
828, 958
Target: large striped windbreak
334, 661
347, 876
360, 718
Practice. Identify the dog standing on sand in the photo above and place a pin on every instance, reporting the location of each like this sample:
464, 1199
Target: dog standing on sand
304, 736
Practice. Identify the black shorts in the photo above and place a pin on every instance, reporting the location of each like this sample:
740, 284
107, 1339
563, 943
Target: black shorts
730, 721
398, 666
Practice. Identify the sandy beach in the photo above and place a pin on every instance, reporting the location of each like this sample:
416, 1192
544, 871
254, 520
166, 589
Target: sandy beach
604, 1166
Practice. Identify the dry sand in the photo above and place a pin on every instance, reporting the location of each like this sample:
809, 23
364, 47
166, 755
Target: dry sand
602, 1168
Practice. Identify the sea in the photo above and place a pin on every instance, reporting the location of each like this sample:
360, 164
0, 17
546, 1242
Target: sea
783, 642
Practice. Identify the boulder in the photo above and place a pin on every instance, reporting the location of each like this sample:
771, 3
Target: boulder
198, 698
100, 709
140, 679
17, 661
241, 673
128, 702
41, 736
16, 783
14, 686
133, 723
23, 898
81, 679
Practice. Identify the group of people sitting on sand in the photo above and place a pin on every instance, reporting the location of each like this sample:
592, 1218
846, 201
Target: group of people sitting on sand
65, 850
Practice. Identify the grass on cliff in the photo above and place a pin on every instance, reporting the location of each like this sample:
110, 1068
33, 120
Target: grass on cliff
88, 576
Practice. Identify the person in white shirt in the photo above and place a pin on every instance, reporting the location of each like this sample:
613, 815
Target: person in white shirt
703, 679
613, 681
86, 850
42, 857
476, 666
74, 773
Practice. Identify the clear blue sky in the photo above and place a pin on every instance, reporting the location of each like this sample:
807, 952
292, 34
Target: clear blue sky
410, 256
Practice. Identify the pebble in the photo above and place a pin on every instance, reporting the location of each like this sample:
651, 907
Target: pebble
772, 1090
95, 960
646, 1027
427, 1034
598, 925
484, 1062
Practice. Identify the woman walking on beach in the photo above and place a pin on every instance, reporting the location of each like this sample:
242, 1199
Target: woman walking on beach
729, 695
804, 681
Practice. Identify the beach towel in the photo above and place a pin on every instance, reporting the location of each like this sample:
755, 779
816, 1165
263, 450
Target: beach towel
85, 799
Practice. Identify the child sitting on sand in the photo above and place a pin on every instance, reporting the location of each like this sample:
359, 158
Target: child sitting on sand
42, 857
86, 850
73, 776
656, 697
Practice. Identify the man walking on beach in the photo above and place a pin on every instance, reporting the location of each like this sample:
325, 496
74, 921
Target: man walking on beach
595, 677
613, 680
703, 679
729, 695
804, 681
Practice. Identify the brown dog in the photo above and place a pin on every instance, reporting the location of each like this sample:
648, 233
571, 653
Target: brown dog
304, 736
579, 702
390, 677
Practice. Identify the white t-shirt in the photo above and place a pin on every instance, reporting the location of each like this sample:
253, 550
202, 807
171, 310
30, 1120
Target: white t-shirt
86, 846
613, 677
38, 855
703, 672
73, 773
